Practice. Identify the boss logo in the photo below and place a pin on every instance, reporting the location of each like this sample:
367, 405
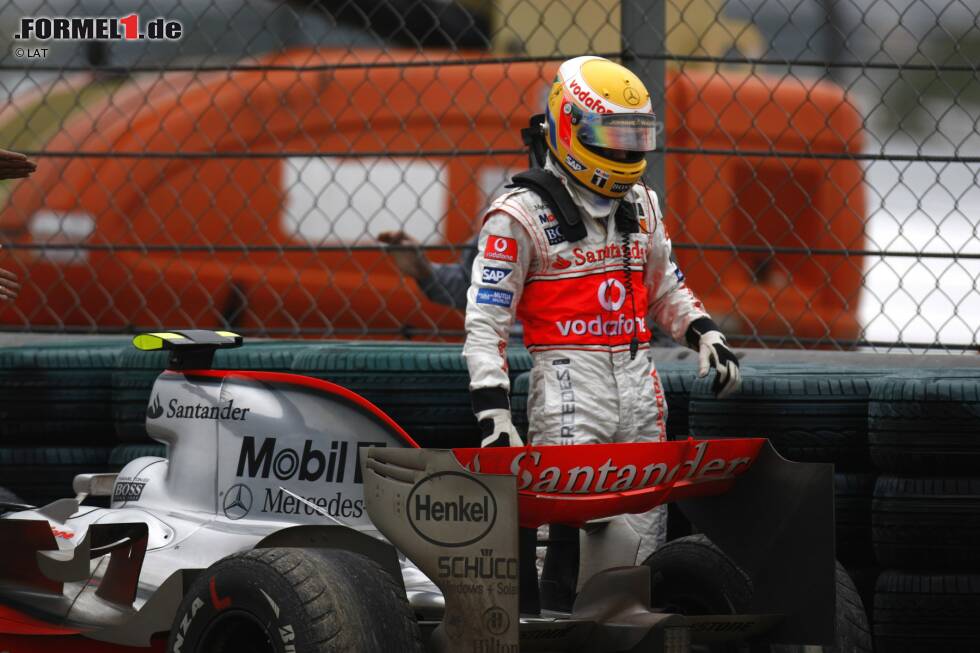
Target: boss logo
128, 490
451, 509
494, 275
554, 235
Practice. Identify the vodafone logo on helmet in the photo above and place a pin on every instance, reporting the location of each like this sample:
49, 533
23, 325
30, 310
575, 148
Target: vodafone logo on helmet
578, 89
612, 294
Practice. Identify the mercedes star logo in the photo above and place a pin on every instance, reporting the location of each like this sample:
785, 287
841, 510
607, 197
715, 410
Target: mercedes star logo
631, 96
238, 501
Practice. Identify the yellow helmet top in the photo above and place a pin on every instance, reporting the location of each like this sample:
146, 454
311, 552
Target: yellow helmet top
600, 123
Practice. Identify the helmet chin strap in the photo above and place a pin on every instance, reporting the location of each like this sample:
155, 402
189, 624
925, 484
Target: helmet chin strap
594, 204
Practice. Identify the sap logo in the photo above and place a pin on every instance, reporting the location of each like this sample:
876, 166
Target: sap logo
574, 163
494, 275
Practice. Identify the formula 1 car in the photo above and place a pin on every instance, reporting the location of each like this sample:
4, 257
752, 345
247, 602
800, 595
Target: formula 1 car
293, 516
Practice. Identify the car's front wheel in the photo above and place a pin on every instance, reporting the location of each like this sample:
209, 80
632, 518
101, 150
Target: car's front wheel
291, 600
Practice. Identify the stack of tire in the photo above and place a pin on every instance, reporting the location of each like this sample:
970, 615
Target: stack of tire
810, 414
55, 415
925, 440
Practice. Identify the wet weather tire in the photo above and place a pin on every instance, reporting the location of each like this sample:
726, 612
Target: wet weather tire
809, 414
285, 600
927, 612
926, 424
690, 575
927, 523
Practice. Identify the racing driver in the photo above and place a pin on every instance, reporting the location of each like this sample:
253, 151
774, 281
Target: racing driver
584, 276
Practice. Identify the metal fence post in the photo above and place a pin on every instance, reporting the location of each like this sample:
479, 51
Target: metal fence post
643, 33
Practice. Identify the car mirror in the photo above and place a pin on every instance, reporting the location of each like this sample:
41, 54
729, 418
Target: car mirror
93, 485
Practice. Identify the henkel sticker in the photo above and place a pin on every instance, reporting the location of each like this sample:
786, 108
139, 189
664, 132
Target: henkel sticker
494, 297
500, 248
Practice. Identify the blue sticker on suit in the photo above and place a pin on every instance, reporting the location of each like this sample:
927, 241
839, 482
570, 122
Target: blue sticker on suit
494, 275
554, 235
494, 297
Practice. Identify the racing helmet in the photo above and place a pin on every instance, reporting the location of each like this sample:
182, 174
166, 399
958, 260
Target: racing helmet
594, 107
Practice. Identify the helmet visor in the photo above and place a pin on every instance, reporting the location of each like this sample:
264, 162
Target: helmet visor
636, 132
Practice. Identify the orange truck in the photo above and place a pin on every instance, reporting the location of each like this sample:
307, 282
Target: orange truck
250, 198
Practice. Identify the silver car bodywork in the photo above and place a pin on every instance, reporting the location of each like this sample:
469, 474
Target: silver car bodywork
253, 460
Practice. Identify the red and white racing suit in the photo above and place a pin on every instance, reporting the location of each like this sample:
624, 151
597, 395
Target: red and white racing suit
574, 300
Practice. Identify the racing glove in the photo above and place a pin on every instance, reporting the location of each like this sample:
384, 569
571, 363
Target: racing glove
497, 429
704, 337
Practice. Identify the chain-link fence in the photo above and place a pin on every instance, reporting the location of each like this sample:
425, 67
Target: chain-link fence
818, 167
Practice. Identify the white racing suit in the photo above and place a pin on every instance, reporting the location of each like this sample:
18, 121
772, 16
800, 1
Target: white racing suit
580, 313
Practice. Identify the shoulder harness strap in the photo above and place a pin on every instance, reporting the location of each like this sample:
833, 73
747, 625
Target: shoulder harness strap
554, 194
550, 189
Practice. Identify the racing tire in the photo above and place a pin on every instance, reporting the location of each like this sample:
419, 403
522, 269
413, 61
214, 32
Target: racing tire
44, 474
809, 414
927, 612
122, 454
518, 402
852, 517
423, 387
677, 381
927, 523
691, 575
291, 600
926, 424
57, 394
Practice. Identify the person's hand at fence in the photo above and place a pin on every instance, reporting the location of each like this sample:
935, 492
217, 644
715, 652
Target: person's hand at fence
14, 165
9, 286
410, 261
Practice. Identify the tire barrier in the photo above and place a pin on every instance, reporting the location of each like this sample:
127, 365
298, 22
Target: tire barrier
810, 415
927, 612
910, 538
925, 424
